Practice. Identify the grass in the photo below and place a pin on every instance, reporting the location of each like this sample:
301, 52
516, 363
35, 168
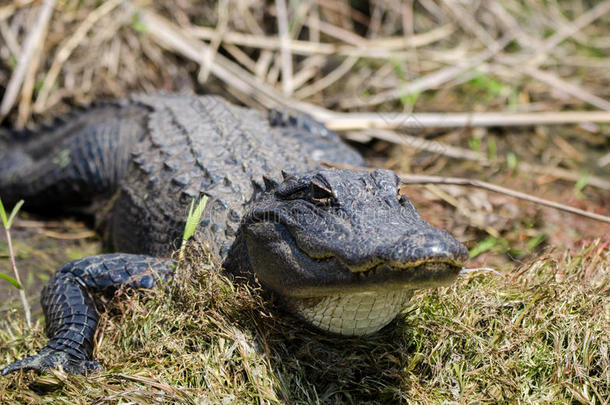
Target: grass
7, 222
538, 335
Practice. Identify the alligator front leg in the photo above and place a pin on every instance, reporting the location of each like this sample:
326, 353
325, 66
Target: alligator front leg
71, 316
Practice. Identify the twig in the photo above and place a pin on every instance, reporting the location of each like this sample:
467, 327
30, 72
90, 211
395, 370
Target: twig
172, 392
312, 64
604, 160
419, 143
433, 9
68, 236
10, 40
466, 19
339, 33
372, 28
207, 59
411, 179
68, 47
266, 56
181, 40
30, 46
435, 79
171, 36
562, 86
364, 120
378, 47
542, 50
309, 68
408, 27
344, 10
328, 79
465, 271
28, 88
459, 181
263, 63
286, 56
528, 64
462, 153
568, 30
240, 56
507, 20
9, 9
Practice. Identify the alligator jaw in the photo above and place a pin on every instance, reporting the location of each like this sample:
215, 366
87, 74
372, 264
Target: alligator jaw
421, 275
354, 314
380, 279
370, 300
374, 298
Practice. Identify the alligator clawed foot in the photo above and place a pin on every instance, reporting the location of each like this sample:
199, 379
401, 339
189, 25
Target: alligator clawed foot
48, 359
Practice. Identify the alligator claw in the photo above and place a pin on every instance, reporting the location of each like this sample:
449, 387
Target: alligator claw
48, 359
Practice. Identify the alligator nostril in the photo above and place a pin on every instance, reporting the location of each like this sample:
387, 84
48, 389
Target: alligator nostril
431, 244
437, 250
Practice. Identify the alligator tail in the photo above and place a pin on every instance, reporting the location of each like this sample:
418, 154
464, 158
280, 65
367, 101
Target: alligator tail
72, 158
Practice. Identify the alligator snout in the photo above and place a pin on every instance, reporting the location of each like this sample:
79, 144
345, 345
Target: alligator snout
428, 245
425, 244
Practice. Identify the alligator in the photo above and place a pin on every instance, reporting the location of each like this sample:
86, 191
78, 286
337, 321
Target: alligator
343, 249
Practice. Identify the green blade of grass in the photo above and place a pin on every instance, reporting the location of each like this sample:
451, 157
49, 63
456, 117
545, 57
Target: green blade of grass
3, 214
192, 220
13, 213
11, 280
581, 183
485, 245
7, 222
194, 217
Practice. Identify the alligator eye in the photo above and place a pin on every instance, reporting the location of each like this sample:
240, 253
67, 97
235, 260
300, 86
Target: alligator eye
320, 193
316, 192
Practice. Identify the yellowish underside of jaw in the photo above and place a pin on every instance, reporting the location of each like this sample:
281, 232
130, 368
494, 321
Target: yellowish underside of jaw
353, 314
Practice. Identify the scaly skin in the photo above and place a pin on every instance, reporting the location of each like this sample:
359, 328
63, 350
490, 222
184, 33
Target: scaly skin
343, 248
71, 317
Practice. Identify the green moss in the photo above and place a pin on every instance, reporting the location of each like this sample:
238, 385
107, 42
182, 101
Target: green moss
538, 335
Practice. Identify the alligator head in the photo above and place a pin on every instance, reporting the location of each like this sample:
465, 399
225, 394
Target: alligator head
345, 249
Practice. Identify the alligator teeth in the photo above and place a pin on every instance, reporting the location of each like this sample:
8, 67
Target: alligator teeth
365, 273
